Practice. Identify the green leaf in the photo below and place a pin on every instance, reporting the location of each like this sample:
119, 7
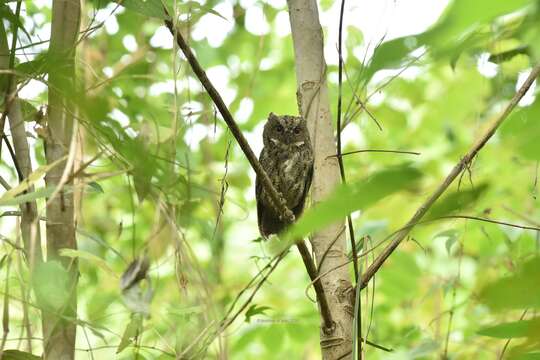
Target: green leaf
18, 355
36, 67
349, 198
131, 331
522, 130
249, 335
34, 195
453, 33
391, 54
354, 37
400, 277
528, 356
3, 260
51, 284
255, 310
29, 181
515, 329
151, 8
72, 253
462, 15
457, 200
9, 15
95, 185
517, 291
194, 6
425, 348
326, 4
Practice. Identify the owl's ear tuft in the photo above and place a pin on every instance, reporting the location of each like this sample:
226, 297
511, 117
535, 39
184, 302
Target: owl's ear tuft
272, 116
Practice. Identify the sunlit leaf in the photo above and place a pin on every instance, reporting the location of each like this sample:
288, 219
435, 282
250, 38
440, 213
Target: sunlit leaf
425, 348
391, 54
399, 277
357, 196
132, 330
51, 284
36, 67
517, 291
96, 260
522, 129
448, 36
151, 8
34, 195
198, 7
458, 200
95, 185
515, 329
29, 181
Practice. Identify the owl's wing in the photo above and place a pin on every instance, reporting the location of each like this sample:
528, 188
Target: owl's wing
297, 210
262, 211
258, 192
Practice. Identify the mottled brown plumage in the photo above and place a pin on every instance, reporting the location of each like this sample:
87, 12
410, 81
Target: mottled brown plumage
287, 158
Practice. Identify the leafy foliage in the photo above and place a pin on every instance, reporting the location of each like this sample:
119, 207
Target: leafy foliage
160, 178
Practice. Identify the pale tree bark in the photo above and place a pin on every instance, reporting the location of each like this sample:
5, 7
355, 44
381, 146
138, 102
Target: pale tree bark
28, 222
329, 245
59, 331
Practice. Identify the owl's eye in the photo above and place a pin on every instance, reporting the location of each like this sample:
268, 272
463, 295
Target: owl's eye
279, 128
297, 130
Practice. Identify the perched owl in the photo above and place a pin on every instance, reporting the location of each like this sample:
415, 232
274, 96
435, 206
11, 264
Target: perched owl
287, 158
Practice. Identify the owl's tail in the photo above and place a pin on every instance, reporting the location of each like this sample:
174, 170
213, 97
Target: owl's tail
269, 223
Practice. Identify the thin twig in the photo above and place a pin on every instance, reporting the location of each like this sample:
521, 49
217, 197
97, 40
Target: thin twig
339, 155
360, 102
522, 216
453, 302
458, 168
375, 151
4, 183
470, 217
230, 320
5, 312
358, 307
13, 158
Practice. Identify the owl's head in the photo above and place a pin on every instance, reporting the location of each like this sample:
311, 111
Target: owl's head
285, 131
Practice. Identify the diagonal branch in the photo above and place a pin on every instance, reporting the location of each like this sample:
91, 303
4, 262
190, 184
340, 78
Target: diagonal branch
460, 166
254, 162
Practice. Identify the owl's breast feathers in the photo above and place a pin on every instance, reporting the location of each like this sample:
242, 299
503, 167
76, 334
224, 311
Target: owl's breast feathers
290, 172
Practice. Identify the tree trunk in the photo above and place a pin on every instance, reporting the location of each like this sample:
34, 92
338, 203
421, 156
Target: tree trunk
314, 105
59, 332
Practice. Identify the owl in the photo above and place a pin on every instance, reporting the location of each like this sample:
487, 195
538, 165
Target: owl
287, 158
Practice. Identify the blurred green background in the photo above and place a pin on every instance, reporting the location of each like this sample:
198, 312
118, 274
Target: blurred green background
170, 182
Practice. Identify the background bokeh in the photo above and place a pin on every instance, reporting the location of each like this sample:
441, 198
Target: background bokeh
170, 181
